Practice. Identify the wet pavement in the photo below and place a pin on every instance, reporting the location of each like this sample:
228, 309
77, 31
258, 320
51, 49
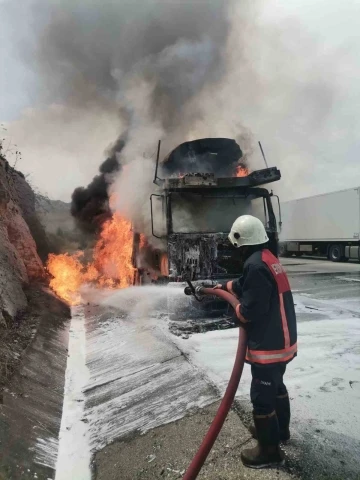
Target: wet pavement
323, 381
128, 375
31, 411
325, 440
138, 378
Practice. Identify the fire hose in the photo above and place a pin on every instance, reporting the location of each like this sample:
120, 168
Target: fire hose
225, 405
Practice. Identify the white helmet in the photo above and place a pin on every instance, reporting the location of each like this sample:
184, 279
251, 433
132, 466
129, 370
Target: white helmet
247, 230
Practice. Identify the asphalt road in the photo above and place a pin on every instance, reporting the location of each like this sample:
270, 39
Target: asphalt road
326, 400
325, 378
128, 375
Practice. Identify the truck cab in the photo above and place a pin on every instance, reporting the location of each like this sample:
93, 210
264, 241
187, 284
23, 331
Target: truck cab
192, 213
199, 211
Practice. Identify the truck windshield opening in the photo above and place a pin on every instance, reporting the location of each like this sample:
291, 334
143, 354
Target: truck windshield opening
194, 213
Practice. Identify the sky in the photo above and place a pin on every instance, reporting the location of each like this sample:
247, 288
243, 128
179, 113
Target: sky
291, 82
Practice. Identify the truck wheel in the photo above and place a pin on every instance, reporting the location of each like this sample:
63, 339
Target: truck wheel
283, 252
335, 253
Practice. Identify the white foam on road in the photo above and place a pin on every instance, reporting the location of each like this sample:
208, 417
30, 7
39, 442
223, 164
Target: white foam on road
324, 380
123, 375
74, 455
139, 380
346, 279
46, 451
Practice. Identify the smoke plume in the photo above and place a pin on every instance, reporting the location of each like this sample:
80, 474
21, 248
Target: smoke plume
154, 61
249, 70
90, 205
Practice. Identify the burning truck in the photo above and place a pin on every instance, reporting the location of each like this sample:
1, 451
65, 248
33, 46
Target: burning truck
197, 192
194, 208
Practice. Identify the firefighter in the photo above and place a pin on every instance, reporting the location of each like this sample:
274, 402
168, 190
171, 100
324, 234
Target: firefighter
268, 315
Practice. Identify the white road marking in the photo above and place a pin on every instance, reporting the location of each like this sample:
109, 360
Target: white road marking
346, 279
74, 455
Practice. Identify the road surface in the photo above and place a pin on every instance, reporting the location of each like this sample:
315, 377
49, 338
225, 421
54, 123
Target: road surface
127, 375
323, 381
140, 377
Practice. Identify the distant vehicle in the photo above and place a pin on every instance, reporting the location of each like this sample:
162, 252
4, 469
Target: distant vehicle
326, 225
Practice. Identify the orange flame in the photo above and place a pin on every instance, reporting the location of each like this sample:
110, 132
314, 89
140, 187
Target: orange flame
241, 171
113, 254
67, 272
111, 266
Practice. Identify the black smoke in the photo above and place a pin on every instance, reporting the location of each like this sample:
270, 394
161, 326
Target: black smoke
90, 205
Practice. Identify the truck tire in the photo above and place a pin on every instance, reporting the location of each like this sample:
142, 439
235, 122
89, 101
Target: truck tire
282, 251
336, 253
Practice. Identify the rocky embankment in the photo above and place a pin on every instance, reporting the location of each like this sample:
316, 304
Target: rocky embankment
19, 259
23, 249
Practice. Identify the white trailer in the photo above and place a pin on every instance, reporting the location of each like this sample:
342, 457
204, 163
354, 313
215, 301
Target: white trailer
326, 224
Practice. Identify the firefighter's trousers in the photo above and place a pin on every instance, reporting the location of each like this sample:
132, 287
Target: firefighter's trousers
267, 388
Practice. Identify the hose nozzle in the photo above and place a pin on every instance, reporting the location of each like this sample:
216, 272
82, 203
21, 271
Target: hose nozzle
188, 291
191, 290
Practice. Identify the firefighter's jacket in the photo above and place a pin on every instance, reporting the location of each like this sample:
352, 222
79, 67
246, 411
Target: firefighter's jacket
267, 304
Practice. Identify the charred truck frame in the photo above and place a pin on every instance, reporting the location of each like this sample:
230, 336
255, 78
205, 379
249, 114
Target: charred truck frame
193, 212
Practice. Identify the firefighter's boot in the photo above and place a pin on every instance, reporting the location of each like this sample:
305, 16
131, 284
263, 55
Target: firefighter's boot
267, 452
283, 414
